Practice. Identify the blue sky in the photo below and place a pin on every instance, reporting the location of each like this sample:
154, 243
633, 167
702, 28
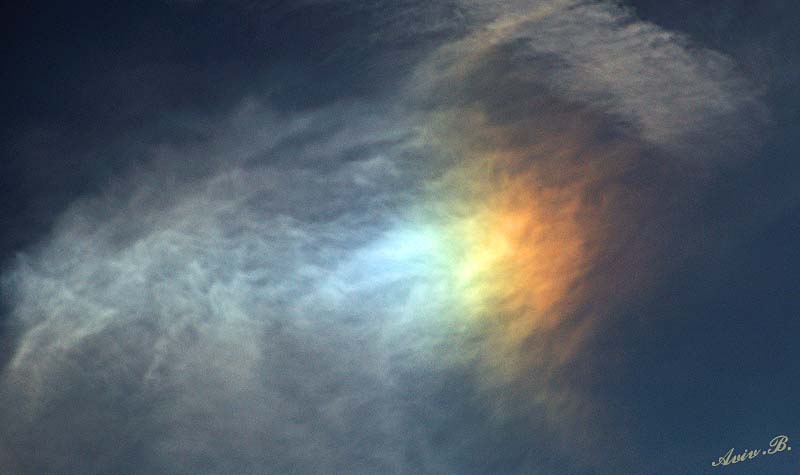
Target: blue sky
234, 237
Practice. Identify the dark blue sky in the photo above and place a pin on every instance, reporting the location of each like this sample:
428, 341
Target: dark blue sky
725, 367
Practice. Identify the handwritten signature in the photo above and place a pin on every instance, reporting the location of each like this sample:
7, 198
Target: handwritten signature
779, 443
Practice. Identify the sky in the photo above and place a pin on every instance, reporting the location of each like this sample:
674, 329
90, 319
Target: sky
445, 236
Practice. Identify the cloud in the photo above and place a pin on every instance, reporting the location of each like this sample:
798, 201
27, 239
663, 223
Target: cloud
669, 91
402, 285
211, 308
581, 139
